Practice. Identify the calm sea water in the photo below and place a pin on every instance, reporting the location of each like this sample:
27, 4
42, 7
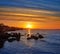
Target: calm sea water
48, 45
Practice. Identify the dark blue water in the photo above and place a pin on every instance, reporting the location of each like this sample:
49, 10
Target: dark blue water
48, 45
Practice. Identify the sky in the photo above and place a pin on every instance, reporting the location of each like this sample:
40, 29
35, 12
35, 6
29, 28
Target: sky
42, 14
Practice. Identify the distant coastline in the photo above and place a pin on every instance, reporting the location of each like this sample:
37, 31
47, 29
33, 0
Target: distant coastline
4, 28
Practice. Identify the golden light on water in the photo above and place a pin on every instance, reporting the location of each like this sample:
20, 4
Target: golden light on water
29, 26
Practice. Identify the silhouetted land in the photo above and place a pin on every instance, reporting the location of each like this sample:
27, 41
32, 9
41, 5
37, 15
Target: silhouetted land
8, 37
4, 28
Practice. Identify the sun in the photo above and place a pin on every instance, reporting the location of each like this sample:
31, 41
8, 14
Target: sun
29, 26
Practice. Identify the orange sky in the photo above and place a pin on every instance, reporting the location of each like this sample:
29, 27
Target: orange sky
40, 19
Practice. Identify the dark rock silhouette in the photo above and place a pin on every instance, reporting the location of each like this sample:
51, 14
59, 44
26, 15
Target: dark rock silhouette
8, 37
39, 35
11, 39
36, 37
2, 43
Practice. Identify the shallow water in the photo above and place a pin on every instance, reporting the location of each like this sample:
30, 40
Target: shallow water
48, 45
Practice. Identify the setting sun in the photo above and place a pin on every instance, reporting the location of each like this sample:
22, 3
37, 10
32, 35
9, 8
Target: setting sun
28, 26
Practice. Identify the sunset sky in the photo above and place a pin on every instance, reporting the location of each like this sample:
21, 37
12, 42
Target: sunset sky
41, 14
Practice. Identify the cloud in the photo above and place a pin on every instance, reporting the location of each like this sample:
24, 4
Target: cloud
28, 14
53, 5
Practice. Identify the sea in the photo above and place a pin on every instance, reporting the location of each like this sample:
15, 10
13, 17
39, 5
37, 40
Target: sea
50, 44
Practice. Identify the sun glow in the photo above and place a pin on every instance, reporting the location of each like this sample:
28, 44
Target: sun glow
29, 26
